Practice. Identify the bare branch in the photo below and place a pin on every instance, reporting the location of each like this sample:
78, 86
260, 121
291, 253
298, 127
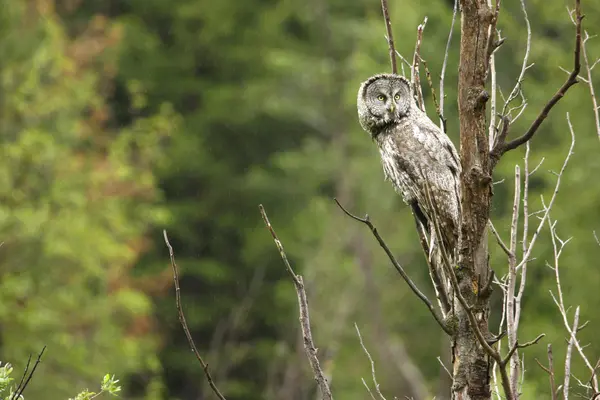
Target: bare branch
592, 380
546, 211
499, 239
445, 62
524, 243
22, 385
568, 356
368, 388
15, 394
309, 345
183, 321
517, 90
493, 101
444, 367
590, 83
557, 247
516, 346
549, 371
571, 80
404, 61
415, 78
371, 361
389, 34
511, 322
435, 103
491, 46
501, 333
398, 267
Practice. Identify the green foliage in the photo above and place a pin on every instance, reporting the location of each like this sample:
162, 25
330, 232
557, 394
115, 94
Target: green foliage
109, 385
5, 378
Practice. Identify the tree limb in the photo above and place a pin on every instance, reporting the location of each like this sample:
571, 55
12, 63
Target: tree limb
309, 345
390, 36
415, 77
183, 321
502, 148
399, 268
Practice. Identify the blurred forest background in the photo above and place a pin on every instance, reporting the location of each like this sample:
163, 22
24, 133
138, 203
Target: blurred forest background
122, 118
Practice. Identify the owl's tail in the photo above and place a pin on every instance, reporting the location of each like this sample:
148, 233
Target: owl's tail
440, 259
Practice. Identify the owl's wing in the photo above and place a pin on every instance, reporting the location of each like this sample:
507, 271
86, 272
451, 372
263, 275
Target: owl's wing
441, 167
437, 144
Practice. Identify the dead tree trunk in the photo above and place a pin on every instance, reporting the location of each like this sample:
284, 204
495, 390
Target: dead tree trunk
471, 362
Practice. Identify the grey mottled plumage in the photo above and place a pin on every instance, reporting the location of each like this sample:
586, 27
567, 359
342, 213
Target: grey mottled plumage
412, 149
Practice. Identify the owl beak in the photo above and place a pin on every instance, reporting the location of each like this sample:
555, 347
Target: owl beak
391, 108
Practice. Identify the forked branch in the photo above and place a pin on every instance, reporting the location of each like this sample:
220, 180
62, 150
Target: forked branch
502, 147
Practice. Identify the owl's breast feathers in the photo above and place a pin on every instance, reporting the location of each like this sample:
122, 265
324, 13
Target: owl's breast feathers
417, 150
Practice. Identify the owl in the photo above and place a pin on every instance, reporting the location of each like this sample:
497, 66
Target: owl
414, 151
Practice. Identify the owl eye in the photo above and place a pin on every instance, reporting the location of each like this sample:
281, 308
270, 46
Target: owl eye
397, 97
381, 97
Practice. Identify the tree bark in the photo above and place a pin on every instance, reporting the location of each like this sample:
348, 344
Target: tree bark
471, 364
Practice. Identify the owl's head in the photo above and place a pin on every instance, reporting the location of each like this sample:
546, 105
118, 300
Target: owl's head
383, 99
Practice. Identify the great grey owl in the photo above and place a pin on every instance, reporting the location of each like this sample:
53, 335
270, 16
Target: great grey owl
413, 149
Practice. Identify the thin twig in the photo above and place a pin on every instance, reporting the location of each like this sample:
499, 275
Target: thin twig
546, 211
309, 345
368, 388
398, 267
183, 321
517, 89
22, 378
403, 59
499, 239
502, 148
491, 45
516, 346
549, 371
492, 71
445, 62
568, 356
390, 35
494, 89
557, 250
511, 323
433, 96
415, 78
19, 392
500, 334
590, 83
444, 367
592, 379
362, 344
521, 291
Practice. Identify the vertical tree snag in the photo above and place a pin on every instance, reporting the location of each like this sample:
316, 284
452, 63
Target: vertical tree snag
470, 360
